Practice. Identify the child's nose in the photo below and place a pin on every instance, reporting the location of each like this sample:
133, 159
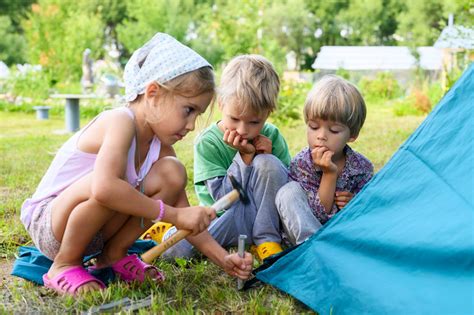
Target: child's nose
321, 135
242, 130
191, 124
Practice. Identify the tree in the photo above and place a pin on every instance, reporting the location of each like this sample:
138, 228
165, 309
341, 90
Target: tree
369, 22
12, 45
293, 29
144, 18
58, 32
419, 22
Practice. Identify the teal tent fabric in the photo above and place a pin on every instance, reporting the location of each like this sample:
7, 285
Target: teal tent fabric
405, 244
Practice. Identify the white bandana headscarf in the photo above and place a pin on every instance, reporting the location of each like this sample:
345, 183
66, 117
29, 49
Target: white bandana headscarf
166, 58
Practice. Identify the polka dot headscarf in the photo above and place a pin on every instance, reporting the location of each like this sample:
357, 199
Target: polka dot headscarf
165, 59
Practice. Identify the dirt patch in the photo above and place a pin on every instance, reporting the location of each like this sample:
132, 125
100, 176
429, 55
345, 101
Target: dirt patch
5, 270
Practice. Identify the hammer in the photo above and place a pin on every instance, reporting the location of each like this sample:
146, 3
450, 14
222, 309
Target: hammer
219, 206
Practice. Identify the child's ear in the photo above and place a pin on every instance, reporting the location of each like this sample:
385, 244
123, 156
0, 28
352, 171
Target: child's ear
153, 89
352, 138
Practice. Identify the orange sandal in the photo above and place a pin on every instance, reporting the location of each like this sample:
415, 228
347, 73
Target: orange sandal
157, 231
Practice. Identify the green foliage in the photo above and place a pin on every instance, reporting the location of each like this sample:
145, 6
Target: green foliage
16, 10
452, 76
30, 82
421, 22
58, 32
290, 102
383, 87
88, 109
12, 45
420, 101
146, 17
346, 74
233, 25
291, 28
405, 107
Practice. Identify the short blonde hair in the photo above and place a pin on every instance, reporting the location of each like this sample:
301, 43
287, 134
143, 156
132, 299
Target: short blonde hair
335, 99
251, 82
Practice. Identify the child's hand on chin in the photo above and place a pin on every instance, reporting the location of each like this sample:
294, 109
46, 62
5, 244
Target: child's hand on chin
322, 157
232, 138
263, 145
237, 266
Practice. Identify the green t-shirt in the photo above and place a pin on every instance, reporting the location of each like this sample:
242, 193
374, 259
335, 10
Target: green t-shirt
212, 156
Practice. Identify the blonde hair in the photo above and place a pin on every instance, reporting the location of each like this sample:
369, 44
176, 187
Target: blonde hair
335, 99
251, 82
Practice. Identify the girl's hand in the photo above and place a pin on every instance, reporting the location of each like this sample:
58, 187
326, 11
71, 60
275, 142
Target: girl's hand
322, 157
194, 219
342, 198
232, 138
262, 144
237, 266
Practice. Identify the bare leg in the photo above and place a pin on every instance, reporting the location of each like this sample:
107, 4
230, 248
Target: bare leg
166, 181
76, 219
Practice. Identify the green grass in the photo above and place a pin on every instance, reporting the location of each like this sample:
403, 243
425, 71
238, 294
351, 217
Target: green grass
27, 146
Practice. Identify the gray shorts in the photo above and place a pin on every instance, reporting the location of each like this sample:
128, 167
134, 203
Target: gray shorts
41, 233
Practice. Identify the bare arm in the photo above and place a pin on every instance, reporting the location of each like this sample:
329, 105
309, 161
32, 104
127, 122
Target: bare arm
327, 189
232, 264
110, 188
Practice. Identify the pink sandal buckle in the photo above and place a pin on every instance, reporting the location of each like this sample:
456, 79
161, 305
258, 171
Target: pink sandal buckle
131, 268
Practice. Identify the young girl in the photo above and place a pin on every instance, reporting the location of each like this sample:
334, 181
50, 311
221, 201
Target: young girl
118, 175
327, 174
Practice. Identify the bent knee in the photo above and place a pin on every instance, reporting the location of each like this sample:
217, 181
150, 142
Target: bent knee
269, 164
170, 173
288, 191
286, 195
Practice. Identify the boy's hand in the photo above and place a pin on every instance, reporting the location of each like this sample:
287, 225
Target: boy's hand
342, 198
194, 219
262, 144
237, 266
232, 138
322, 157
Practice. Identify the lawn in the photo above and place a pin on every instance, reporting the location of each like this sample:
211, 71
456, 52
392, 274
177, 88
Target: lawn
27, 146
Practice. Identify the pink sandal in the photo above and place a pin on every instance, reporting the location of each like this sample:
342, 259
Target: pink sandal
68, 281
131, 268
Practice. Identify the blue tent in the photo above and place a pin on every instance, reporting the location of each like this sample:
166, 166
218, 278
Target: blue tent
405, 244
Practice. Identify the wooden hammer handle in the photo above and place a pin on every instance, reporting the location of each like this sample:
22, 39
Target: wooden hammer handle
156, 251
159, 249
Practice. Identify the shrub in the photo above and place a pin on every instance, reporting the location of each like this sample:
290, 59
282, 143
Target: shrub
383, 87
28, 81
405, 107
420, 101
290, 102
58, 33
12, 45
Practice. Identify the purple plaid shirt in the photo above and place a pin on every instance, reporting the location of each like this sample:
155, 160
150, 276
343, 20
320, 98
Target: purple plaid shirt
357, 171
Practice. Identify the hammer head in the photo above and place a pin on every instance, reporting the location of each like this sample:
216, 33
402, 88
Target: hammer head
242, 194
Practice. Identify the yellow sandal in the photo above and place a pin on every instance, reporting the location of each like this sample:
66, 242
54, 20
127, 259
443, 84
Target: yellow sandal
157, 231
265, 250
